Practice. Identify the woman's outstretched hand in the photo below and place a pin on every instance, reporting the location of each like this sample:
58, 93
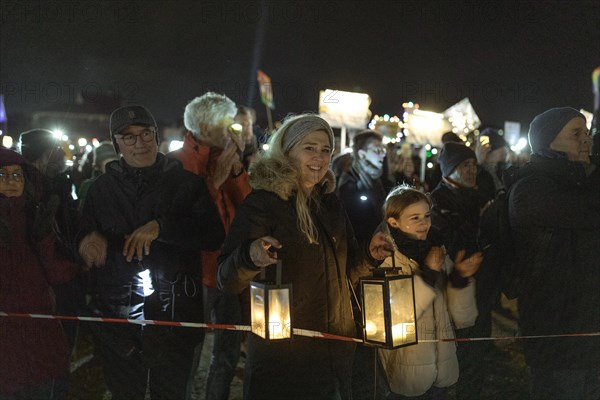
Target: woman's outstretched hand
262, 253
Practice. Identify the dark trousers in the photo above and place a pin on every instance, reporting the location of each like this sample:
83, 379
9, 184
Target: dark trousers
226, 347
474, 358
161, 358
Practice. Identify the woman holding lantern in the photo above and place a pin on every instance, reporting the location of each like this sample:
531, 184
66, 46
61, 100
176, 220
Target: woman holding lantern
444, 294
294, 216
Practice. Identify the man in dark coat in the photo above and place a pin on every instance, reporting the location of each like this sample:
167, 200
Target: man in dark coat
360, 189
144, 223
555, 218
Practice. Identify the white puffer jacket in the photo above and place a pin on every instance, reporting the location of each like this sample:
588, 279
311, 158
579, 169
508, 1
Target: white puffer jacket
412, 370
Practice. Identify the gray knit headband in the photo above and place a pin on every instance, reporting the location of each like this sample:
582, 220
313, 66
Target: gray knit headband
301, 126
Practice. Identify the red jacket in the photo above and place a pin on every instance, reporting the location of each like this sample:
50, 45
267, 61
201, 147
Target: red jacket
202, 161
33, 351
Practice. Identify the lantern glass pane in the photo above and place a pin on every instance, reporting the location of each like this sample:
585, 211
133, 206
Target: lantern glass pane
373, 309
402, 311
257, 307
279, 314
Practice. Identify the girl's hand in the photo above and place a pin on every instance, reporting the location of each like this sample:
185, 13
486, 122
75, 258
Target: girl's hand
435, 258
467, 267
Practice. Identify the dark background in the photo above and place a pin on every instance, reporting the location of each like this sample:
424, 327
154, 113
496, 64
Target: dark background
512, 59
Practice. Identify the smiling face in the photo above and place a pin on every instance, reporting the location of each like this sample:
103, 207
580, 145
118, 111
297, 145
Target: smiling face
414, 220
311, 156
574, 140
143, 152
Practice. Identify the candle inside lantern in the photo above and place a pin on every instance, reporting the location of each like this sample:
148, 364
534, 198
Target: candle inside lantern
279, 314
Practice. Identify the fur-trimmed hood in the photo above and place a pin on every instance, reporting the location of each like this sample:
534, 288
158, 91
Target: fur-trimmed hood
282, 178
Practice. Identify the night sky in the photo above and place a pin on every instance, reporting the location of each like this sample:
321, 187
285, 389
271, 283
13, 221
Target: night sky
513, 60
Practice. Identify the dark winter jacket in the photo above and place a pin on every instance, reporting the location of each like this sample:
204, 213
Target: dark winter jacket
33, 351
125, 198
363, 200
555, 218
455, 214
303, 368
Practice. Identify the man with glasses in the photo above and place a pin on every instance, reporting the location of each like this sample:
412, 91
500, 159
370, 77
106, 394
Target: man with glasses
361, 192
144, 224
212, 149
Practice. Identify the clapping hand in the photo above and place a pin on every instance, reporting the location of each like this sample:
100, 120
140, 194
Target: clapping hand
435, 258
467, 267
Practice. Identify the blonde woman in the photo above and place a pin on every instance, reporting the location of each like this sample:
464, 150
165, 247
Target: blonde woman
294, 215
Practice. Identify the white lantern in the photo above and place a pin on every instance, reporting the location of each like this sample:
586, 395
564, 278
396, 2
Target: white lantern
388, 304
270, 307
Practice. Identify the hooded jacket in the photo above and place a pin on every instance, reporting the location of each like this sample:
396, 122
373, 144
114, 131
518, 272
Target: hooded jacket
320, 274
554, 214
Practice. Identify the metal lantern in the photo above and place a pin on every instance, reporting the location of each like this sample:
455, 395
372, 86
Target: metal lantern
388, 304
271, 307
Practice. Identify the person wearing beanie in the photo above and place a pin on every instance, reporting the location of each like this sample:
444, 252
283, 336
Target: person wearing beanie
554, 213
294, 216
457, 206
35, 352
213, 150
144, 223
458, 163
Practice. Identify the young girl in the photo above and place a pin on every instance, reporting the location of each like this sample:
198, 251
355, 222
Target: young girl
444, 294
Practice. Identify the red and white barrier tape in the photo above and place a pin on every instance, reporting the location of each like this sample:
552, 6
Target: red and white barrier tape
297, 331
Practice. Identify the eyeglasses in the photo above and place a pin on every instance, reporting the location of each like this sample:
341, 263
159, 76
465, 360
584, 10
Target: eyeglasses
6, 176
130, 139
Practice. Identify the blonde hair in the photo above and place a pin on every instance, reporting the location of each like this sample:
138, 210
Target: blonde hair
401, 197
276, 166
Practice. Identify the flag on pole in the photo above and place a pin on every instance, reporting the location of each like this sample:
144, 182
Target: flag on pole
266, 89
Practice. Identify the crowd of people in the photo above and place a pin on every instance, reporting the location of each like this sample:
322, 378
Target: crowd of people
180, 236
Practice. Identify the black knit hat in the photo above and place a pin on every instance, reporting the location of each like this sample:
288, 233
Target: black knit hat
496, 141
547, 125
122, 117
35, 142
453, 154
